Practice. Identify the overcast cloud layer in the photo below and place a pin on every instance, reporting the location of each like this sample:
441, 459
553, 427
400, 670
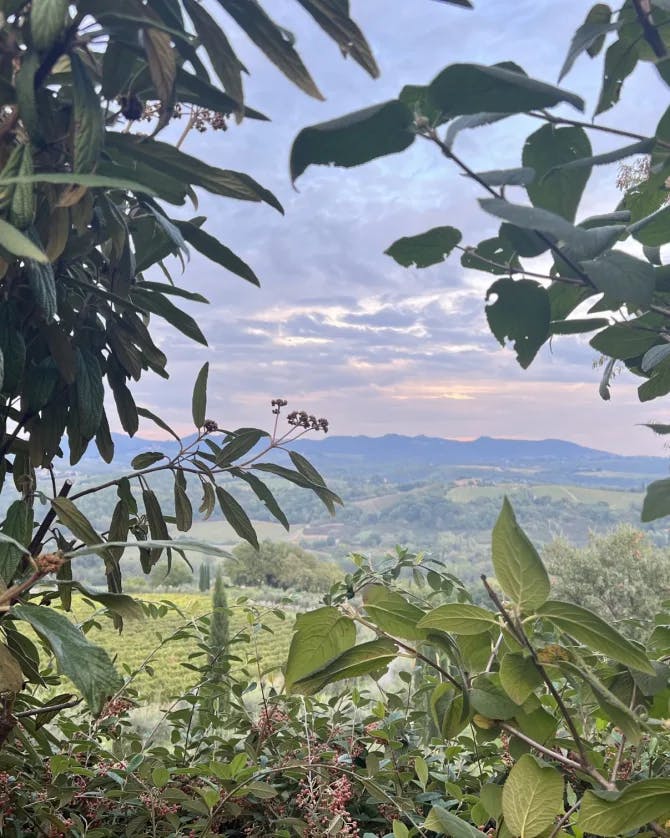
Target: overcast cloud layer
338, 327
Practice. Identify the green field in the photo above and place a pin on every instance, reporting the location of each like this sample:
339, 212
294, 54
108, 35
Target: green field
147, 641
577, 494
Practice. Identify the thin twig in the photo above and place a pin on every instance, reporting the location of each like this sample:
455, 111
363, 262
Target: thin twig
49, 708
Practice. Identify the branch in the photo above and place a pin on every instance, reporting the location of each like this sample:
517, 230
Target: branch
649, 30
49, 708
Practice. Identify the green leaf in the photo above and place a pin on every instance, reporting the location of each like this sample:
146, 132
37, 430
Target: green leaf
364, 659
448, 711
90, 393
88, 666
516, 563
354, 139
531, 218
392, 613
622, 277
654, 356
264, 494
614, 813
620, 60
182, 504
532, 797
162, 67
88, 118
217, 252
657, 498
334, 19
489, 699
147, 414
591, 630
199, 399
577, 326
495, 256
148, 458
550, 151
625, 340
521, 313
47, 21
320, 636
226, 64
160, 305
236, 517
652, 230
75, 521
43, 287
18, 525
590, 36
519, 677
458, 618
122, 604
421, 769
522, 176
475, 120
19, 245
425, 249
182, 544
273, 41
640, 147
400, 830
325, 495
491, 799
239, 443
475, 88
442, 822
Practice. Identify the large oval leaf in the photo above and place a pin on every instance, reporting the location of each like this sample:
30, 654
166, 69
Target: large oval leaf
459, 618
611, 814
532, 797
320, 636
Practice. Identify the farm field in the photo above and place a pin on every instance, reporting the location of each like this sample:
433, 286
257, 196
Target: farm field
151, 652
617, 499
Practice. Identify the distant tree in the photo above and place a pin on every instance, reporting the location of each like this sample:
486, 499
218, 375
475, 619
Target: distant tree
204, 577
621, 576
217, 689
178, 576
281, 565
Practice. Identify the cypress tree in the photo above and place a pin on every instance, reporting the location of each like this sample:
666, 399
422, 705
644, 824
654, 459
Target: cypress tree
219, 639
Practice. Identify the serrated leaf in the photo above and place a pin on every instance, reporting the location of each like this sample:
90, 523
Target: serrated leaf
425, 249
354, 139
319, 637
458, 618
88, 118
88, 666
595, 633
199, 399
475, 88
521, 313
532, 797
236, 516
516, 563
614, 813
392, 613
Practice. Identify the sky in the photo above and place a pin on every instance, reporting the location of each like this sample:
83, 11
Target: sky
338, 328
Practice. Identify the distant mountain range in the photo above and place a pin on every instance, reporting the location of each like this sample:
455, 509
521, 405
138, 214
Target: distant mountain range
396, 455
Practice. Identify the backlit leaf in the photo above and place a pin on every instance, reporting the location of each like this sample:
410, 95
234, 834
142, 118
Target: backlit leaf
532, 797
425, 249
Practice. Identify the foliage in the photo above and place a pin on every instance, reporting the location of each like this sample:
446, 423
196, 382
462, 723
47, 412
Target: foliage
204, 577
610, 264
280, 565
620, 576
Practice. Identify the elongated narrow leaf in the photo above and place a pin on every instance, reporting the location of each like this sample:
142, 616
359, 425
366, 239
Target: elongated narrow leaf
19, 245
75, 521
162, 68
18, 525
364, 659
595, 633
239, 443
148, 458
392, 613
199, 400
217, 252
236, 516
182, 504
615, 813
88, 666
640, 147
517, 565
532, 797
272, 40
577, 326
458, 618
122, 604
327, 496
425, 249
47, 21
180, 544
147, 414
88, 118
354, 139
225, 62
160, 305
531, 218
620, 60
334, 19
591, 33
264, 494
90, 393
522, 176
652, 230
475, 88
320, 636
475, 120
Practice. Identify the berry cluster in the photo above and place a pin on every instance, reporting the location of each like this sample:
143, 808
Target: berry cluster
302, 419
